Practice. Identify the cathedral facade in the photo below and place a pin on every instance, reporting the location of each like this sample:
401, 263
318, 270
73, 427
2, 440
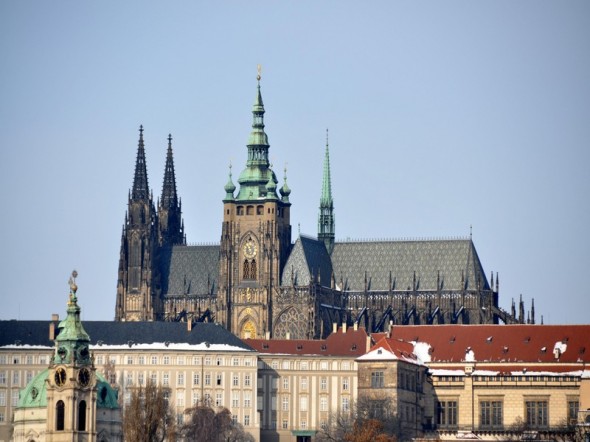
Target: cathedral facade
260, 283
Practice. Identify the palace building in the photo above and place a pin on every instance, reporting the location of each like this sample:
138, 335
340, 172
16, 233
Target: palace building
261, 282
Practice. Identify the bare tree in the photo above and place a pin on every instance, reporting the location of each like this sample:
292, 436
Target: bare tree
205, 425
148, 416
366, 416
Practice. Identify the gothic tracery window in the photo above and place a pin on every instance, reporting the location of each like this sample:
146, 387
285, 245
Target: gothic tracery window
293, 322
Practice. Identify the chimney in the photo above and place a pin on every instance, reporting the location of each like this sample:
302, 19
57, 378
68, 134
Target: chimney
189, 324
54, 319
368, 343
356, 326
288, 336
334, 327
344, 327
267, 335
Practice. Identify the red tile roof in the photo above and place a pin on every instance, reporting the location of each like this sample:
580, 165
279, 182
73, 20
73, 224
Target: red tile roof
501, 343
352, 343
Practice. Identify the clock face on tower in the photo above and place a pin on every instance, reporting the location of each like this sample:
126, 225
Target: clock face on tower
250, 249
60, 376
84, 377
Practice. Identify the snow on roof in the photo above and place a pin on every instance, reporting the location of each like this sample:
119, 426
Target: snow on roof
379, 354
422, 351
203, 346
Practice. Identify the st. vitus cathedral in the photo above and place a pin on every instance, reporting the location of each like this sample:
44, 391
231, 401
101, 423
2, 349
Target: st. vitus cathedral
259, 282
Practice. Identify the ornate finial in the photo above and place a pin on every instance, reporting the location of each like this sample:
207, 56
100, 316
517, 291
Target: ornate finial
73, 286
169, 138
259, 68
470, 231
327, 136
141, 129
230, 166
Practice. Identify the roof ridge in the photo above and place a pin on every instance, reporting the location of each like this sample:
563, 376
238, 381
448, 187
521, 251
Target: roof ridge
403, 239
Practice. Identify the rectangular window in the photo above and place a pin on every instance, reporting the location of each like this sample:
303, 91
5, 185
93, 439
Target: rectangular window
303, 403
29, 360
285, 424
2, 378
219, 399
154, 360
196, 378
247, 400
235, 362
129, 380
43, 360
140, 378
247, 380
15, 378
323, 403
286, 365
345, 384
208, 360
195, 398
235, 401
304, 365
129, 360
166, 379
346, 366
304, 383
180, 401
2, 416
166, 360
275, 365
219, 379
29, 377
14, 398
246, 420
219, 361
2, 359
324, 384
537, 413
573, 406
235, 381
180, 379
154, 378
285, 403
447, 413
345, 404
2, 398
207, 378
377, 379
248, 362
180, 360
141, 360
285, 383
303, 424
491, 414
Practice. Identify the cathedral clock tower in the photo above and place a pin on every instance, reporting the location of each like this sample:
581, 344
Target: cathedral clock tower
255, 238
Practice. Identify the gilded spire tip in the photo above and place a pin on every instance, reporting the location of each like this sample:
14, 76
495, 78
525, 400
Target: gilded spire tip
259, 69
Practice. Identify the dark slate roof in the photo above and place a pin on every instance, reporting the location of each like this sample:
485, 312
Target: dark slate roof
426, 258
308, 258
121, 333
193, 270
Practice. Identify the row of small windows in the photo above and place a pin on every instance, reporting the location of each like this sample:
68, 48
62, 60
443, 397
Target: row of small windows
311, 365
208, 379
16, 377
304, 385
491, 413
14, 398
20, 359
257, 210
180, 360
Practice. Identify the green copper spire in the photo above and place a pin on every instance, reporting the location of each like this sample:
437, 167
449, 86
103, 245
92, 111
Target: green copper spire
285, 191
326, 221
71, 344
255, 179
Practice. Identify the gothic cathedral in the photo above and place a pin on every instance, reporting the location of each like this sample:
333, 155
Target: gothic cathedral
259, 282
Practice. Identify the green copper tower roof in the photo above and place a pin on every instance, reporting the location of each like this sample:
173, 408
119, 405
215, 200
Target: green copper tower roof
257, 181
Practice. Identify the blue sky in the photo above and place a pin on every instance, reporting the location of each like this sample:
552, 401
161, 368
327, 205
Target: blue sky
442, 116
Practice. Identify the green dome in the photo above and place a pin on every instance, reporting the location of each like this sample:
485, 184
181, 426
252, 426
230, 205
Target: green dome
34, 395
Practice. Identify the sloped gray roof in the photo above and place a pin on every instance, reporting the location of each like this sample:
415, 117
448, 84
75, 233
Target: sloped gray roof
193, 270
452, 258
307, 259
121, 333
